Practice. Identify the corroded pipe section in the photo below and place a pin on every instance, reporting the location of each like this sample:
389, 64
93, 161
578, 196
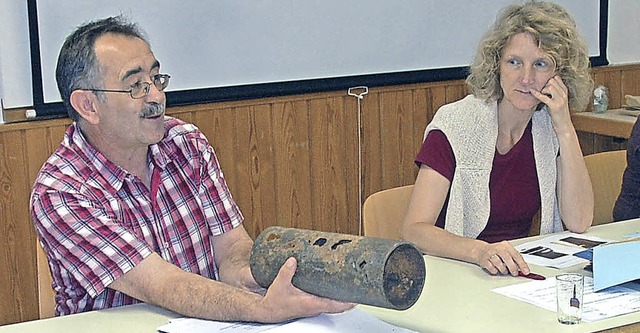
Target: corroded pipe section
365, 270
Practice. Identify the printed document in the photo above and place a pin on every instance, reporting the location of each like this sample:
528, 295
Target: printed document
608, 303
557, 250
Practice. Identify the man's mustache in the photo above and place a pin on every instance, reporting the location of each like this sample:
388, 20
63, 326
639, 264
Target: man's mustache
152, 110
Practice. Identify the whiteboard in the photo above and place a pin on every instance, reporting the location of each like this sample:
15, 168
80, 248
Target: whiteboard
234, 49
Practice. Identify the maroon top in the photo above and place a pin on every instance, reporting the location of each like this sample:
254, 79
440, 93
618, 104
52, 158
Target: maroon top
513, 185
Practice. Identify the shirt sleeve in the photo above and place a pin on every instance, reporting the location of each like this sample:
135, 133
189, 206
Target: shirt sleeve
86, 241
437, 154
220, 208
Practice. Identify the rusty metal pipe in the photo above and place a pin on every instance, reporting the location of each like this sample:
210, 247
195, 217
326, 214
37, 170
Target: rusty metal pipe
373, 271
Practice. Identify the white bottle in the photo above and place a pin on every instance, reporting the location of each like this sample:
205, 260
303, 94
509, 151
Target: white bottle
600, 100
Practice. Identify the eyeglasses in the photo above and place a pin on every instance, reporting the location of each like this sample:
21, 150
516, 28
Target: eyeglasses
141, 89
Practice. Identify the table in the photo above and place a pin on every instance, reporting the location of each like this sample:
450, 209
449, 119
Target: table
131, 318
457, 297
615, 122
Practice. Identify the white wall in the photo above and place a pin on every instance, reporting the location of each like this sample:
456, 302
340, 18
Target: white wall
15, 61
237, 43
623, 45
624, 32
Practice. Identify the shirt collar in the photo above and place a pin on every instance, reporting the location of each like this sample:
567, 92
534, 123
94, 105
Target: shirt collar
112, 173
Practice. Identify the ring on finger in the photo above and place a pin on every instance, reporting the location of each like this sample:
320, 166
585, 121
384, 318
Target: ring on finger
493, 256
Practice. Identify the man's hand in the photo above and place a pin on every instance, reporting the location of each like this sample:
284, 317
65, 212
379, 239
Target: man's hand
283, 301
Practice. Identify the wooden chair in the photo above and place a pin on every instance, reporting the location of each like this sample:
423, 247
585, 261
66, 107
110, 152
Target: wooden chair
605, 170
46, 294
383, 212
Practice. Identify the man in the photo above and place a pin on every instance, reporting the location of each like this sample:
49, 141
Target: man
133, 206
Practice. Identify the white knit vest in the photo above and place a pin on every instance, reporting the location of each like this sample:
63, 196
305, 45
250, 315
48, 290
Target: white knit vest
471, 126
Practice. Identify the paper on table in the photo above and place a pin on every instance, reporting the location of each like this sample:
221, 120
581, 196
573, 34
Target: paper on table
552, 251
356, 320
611, 302
616, 263
192, 325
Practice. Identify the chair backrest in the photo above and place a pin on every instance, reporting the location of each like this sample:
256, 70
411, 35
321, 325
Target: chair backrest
46, 294
383, 212
605, 170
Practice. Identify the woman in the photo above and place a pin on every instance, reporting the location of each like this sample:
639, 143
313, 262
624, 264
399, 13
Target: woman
492, 160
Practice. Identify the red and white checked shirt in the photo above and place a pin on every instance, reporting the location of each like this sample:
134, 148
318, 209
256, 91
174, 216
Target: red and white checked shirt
96, 221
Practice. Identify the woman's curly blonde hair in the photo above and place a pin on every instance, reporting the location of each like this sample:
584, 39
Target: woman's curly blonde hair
556, 34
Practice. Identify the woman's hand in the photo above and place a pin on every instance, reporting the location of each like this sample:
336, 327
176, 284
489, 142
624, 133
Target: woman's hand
556, 96
501, 258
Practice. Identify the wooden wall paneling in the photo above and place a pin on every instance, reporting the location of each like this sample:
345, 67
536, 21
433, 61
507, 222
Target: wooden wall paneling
455, 90
188, 117
372, 136
233, 133
407, 132
39, 151
18, 292
393, 113
438, 98
256, 169
219, 131
422, 115
37, 154
8, 313
42, 142
630, 83
612, 80
347, 123
354, 167
330, 171
54, 137
293, 175
219, 126
411, 130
